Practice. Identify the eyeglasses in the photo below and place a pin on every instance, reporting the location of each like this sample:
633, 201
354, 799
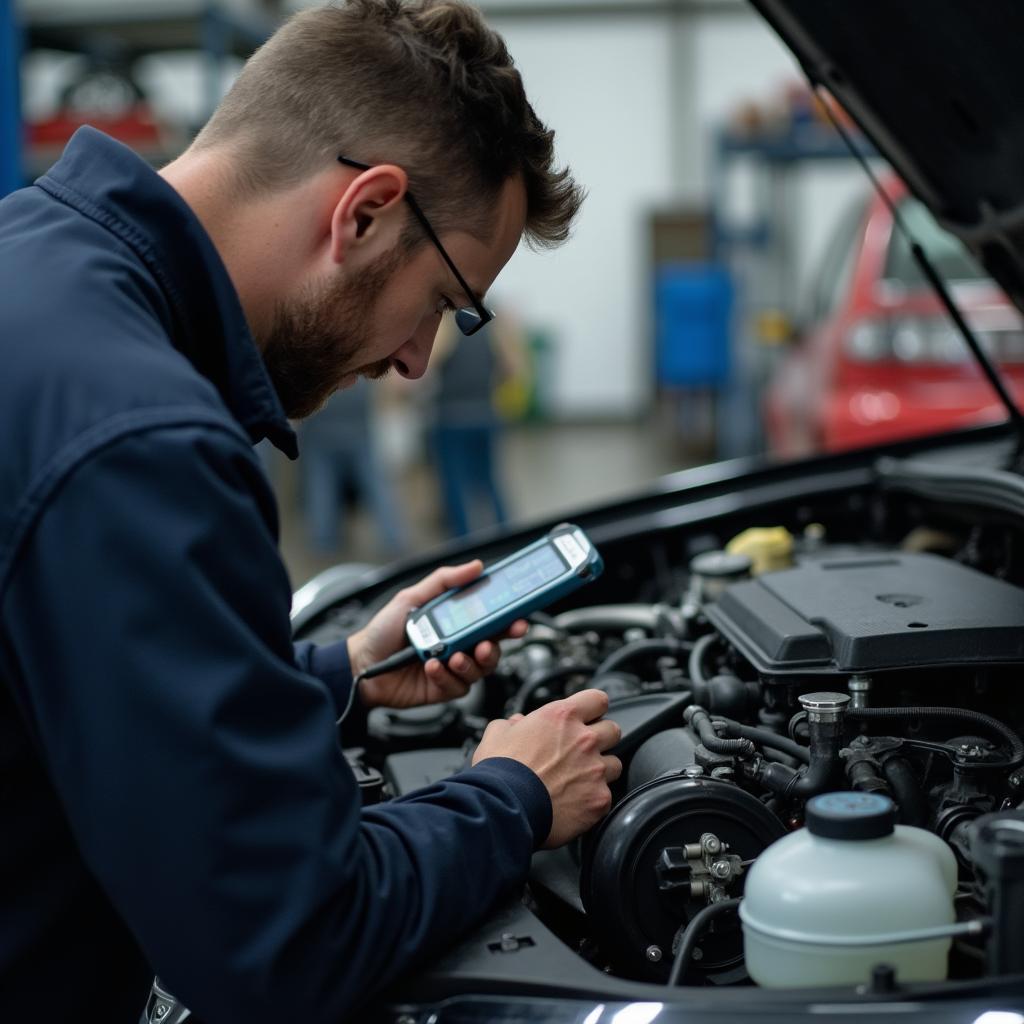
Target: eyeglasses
469, 319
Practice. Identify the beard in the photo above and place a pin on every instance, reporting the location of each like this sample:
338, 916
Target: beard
317, 339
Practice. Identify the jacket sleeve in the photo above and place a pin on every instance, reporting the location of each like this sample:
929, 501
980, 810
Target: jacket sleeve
331, 665
199, 766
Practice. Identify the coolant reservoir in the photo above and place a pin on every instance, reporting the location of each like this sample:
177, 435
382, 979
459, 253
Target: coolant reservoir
827, 903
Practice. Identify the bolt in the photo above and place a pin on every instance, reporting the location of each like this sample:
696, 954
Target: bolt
698, 953
654, 954
971, 750
160, 1011
711, 843
693, 771
860, 689
721, 869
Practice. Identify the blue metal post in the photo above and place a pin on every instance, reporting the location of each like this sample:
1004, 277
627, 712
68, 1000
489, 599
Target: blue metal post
11, 171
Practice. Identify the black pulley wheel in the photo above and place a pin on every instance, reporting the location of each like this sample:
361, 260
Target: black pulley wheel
634, 921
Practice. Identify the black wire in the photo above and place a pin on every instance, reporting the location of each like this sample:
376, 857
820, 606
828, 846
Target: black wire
692, 933
957, 715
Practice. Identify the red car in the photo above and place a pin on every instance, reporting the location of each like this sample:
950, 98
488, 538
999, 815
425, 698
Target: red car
880, 360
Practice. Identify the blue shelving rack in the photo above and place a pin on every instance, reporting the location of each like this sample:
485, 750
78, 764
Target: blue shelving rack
763, 238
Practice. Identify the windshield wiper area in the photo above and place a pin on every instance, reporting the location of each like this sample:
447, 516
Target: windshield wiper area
931, 275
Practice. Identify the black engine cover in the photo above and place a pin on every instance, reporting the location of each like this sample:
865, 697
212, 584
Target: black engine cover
871, 613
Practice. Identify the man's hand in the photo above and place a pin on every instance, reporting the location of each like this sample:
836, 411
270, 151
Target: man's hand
564, 743
420, 683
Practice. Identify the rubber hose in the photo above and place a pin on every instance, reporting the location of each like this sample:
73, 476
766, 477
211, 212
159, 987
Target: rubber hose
993, 725
693, 932
668, 645
554, 675
906, 791
795, 722
696, 664
609, 617
766, 738
700, 720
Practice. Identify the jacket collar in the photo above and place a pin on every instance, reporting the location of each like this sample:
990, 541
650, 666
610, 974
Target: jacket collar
108, 182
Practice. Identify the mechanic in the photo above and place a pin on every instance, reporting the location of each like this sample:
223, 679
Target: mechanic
174, 796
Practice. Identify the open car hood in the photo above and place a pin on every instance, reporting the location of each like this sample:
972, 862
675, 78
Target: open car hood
938, 88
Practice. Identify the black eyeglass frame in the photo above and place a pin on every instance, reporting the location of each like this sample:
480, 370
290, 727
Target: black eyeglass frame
469, 319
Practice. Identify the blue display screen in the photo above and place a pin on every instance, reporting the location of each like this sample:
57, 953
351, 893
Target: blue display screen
499, 589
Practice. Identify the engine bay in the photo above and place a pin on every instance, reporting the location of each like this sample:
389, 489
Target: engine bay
867, 643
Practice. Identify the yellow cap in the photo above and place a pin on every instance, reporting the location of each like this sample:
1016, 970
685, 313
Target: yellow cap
768, 547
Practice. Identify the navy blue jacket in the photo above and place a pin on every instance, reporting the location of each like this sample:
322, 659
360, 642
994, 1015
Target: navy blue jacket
173, 798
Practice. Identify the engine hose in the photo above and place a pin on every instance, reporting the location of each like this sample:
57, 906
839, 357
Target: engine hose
554, 675
800, 718
699, 719
906, 791
692, 933
637, 649
826, 740
548, 621
696, 664
992, 725
609, 617
765, 738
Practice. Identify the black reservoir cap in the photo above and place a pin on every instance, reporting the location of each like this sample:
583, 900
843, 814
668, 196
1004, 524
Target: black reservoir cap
850, 816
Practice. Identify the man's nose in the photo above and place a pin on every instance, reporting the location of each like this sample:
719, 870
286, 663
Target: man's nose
411, 359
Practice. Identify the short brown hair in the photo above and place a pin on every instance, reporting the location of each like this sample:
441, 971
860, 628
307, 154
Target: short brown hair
424, 84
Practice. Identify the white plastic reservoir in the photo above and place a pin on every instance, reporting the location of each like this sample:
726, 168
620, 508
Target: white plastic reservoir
826, 904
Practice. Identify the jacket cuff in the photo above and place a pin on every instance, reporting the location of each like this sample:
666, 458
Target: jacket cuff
330, 663
532, 794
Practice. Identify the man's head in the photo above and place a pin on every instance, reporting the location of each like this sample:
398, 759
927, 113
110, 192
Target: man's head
426, 95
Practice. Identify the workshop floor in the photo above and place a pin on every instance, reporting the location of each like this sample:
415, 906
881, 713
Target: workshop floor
546, 470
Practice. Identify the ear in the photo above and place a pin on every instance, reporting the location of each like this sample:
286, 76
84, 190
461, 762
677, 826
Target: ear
368, 215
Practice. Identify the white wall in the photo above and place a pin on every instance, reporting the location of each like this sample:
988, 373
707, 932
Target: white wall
603, 86
634, 103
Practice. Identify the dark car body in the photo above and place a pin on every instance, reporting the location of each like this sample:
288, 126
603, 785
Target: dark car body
939, 90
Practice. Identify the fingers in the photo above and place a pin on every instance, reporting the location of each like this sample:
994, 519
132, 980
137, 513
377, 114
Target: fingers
443, 579
492, 735
612, 768
608, 734
518, 629
487, 655
449, 685
588, 705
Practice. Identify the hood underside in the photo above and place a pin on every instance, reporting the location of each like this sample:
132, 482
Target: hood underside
938, 87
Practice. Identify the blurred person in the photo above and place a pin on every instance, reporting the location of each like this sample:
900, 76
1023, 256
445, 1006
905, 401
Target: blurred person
464, 424
175, 797
340, 452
